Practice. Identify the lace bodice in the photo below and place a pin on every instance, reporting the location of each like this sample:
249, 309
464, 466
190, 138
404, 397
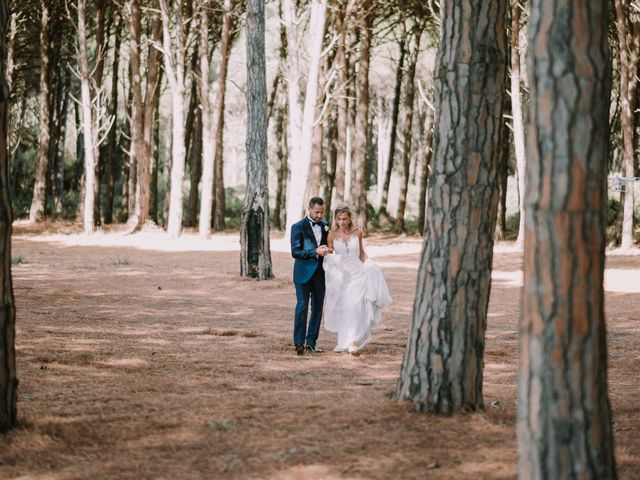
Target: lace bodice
350, 248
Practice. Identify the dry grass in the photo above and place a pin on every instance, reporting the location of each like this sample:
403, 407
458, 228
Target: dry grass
170, 366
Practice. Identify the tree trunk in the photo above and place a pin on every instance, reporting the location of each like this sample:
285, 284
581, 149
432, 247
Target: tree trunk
98, 74
174, 65
443, 363
342, 100
112, 136
128, 165
155, 152
629, 53
301, 121
149, 192
564, 417
8, 374
255, 258
503, 174
426, 163
516, 109
279, 220
193, 127
38, 202
208, 152
143, 164
332, 159
395, 112
219, 206
90, 149
409, 97
362, 118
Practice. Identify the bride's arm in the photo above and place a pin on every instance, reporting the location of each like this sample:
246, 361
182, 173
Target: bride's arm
330, 238
363, 255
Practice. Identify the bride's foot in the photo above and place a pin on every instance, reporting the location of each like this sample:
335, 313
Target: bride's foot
353, 349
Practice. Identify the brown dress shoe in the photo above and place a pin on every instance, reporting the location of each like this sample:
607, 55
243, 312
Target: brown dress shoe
300, 349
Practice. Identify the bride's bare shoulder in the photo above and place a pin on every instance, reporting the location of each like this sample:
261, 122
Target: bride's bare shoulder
357, 232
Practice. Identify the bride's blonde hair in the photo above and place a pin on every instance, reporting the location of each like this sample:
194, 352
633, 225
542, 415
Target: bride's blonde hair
343, 208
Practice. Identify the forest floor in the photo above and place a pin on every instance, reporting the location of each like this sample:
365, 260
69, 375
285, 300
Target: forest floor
140, 357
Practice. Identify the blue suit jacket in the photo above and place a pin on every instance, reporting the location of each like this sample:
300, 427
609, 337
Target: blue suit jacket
303, 249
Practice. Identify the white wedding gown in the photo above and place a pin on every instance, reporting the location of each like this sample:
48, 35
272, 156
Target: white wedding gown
355, 295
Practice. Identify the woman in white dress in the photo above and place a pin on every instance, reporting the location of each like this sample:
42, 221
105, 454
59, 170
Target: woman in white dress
355, 288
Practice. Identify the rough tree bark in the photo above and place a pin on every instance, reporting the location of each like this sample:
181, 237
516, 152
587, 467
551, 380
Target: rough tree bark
8, 378
443, 363
255, 256
409, 96
38, 201
564, 417
362, 117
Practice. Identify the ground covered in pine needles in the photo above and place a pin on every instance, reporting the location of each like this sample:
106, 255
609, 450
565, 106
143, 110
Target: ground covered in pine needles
140, 357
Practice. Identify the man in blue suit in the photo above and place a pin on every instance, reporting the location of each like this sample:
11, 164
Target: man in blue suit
308, 247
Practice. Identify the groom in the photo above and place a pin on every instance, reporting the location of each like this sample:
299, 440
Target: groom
308, 247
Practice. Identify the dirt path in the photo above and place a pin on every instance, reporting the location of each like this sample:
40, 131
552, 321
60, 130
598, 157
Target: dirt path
138, 363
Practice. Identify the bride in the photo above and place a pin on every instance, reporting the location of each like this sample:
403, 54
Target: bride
355, 288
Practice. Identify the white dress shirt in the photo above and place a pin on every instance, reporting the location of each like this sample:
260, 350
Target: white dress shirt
317, 231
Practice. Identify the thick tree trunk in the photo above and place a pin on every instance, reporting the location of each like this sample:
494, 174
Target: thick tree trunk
174, 63
426, 164
255, 260
112, 137
564, 417
629, 53
395, 113
8, 374
516, 111
332, 160
362, 118
409, 97
90, 149
219, 206
443, 363
301, 121
38, 201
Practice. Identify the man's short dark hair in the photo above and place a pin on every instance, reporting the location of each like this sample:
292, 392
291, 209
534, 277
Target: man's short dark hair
315, 201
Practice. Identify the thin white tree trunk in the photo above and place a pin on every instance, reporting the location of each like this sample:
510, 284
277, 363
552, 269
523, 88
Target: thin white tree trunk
347, 167
87, 123
174, 67
301, 122
384, 139
208, 137
518, 121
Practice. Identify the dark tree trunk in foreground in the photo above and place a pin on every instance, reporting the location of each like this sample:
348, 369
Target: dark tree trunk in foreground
442, 366
564, 417
255, 255
8, 379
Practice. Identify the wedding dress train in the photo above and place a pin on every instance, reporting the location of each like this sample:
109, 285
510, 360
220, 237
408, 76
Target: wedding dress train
356, 292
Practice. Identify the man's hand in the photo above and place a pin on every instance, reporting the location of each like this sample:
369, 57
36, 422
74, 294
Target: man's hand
323, 250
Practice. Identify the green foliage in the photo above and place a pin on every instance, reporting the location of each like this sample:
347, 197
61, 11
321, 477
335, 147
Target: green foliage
234, 203
17, 260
